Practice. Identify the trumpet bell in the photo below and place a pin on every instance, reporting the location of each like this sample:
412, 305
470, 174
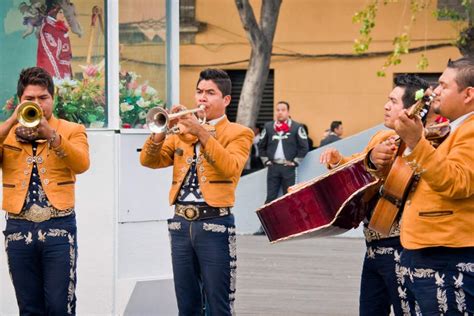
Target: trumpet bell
157, 120
29, 114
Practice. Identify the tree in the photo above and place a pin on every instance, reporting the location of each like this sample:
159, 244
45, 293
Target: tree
261, 41
367, 16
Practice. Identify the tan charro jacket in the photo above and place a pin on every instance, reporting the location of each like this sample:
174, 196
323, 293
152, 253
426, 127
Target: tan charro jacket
440, 212
57, 168
219, 164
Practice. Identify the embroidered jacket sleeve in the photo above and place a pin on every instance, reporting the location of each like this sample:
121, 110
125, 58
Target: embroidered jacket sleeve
229, 160
74, 150
263, 143
450, 175
158, 155
302, 145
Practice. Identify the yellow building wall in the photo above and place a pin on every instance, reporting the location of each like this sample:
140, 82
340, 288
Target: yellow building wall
318, 90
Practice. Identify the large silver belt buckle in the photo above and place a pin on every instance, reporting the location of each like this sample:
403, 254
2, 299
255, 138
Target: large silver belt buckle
38, 214
191, 213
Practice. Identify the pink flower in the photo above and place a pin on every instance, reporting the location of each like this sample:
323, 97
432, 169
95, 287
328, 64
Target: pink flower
91, 70
132, 85
144, 87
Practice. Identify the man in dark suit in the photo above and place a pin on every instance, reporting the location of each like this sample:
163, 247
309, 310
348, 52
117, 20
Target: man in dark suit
334, 135
283, 145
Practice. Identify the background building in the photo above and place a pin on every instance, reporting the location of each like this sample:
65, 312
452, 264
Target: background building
319, 90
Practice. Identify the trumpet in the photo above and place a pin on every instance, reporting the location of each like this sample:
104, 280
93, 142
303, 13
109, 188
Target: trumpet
29, 114
158, 119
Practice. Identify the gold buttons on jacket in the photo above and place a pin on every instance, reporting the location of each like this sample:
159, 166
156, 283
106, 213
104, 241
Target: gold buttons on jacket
203, 179
26, 172
46, 181
43, 170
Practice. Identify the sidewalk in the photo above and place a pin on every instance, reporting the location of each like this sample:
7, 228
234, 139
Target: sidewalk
305, 277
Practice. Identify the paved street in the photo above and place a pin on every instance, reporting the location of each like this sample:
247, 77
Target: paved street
305, 277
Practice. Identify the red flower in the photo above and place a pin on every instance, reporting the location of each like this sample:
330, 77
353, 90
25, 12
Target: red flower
126, 125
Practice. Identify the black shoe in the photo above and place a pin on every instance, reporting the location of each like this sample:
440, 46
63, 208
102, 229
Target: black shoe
259, 232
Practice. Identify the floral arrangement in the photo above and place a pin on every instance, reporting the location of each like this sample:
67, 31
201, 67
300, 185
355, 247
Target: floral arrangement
136, 100
82, 101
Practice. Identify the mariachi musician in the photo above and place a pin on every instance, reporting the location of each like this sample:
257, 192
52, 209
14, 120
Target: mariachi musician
283, 145
438, 219
40, 158
207, 163
380, 285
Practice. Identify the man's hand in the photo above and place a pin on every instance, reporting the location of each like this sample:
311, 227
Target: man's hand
189, 124
330, 156
409, 129
382, 154
45, 131
176, 108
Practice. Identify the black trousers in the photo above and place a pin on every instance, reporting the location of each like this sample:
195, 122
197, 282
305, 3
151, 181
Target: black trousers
42, 263
441, 279
381, 284
204, 258
279, 176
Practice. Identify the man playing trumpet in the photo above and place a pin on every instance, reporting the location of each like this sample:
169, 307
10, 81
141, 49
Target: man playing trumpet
39, 167
206, 169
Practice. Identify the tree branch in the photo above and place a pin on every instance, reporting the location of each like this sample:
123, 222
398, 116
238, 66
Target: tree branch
249, 22
269, 18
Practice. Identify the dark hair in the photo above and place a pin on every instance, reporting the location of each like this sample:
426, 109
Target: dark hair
335, 124
465, 71
35, 76
219, 77
286, 103
411, 83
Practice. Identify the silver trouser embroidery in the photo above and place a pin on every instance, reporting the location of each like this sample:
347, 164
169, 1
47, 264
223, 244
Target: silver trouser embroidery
42, 236
233, 267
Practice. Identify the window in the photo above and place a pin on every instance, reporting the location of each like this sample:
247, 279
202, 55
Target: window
142, 35
265, 113
66, 39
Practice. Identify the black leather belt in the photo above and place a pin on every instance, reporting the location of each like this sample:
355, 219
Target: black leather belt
193, 212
